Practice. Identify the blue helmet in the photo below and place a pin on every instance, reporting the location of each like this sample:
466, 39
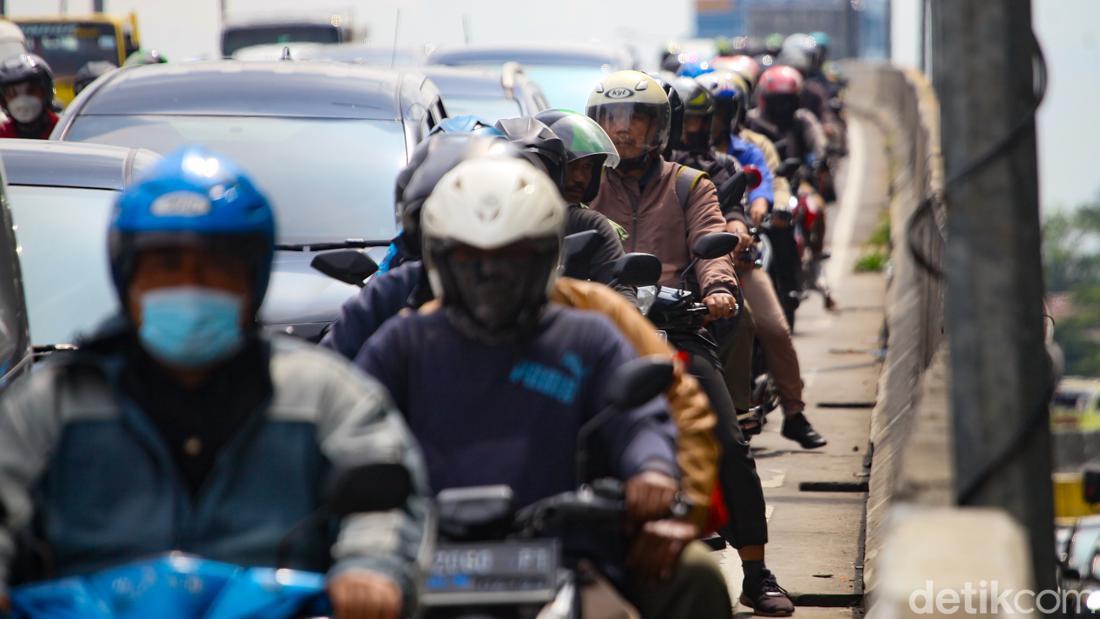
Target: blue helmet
694, 68
467, 124
193, 198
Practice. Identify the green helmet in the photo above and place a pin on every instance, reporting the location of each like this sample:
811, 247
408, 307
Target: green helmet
583, 137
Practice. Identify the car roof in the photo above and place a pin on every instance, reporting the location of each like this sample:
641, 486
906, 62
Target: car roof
72, 164
243, 88
535, 55
465, 82
274, 20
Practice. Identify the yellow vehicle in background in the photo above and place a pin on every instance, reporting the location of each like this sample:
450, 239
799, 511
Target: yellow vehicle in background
68, 43
1076, 405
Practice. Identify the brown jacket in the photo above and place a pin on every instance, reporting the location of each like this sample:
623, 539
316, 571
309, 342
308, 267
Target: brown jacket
696, 448
659, 225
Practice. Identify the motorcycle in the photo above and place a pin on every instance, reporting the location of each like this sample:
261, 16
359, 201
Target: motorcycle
494, 561
181, 586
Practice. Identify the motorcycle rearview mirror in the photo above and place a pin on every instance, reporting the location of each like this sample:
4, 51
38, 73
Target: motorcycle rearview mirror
634, 383
732, 191
637, 269
754, 176
350, 266
576, 253
788, 168
375, 487
639, 381
715, 245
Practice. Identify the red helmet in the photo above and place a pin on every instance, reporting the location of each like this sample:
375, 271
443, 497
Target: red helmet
780, 80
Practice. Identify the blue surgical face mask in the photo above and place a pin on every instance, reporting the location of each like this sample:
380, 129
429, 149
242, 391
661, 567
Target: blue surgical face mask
190, 327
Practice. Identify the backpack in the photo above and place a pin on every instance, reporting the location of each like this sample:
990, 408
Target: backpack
686, 181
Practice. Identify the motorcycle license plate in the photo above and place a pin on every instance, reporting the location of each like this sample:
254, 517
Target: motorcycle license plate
508, 572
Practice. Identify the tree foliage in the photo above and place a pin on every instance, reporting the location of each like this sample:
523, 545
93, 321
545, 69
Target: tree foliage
1071, 258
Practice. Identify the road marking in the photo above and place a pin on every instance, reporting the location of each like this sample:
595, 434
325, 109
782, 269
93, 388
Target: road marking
775, 481
849, 205
768, 511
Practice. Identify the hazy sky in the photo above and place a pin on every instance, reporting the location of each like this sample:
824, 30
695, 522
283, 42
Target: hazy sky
1069, 126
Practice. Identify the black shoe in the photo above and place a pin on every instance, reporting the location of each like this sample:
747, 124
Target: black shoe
750, 422
766, 598
797, 428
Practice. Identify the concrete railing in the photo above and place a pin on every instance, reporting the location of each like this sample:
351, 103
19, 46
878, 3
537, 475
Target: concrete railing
910, 438
914, 534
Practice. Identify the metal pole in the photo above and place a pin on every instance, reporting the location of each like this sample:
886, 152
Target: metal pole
1000, 373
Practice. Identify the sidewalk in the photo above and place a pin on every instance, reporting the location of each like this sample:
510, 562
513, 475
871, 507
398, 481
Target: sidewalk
816, 498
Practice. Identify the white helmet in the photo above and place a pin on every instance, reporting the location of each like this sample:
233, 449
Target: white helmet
493, 207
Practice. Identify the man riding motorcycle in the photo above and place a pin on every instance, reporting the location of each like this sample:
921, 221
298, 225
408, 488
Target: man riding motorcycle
26, 96
575, 168
496, 382
767, 314
666, 208
181, 427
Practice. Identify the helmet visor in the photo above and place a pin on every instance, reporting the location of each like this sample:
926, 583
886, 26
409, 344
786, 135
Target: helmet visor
634, 128
583, 137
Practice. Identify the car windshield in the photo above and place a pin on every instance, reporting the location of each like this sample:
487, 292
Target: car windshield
59, 231
1072, 400
566, 87
236, 38
491, 109
328, 179
67, 46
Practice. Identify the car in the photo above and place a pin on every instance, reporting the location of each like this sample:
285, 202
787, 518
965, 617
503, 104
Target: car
16, 353
566, 73
492, 94
61, 197
325, 141
355, 53
239, 34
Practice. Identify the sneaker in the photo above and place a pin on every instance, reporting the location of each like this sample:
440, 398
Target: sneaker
797, 428
766, 598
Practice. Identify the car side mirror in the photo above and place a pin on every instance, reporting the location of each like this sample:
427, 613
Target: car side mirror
637, 269
754, 176
576, 253
639, 381
350, 266
715, 245
788, 168
375, 487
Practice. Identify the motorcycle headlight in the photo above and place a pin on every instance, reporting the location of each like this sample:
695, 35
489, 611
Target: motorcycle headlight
646, 296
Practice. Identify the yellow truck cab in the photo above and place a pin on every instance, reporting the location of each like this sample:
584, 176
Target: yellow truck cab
1076, 405
68, 43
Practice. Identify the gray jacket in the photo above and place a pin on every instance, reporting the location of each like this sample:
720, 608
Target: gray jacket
92, 470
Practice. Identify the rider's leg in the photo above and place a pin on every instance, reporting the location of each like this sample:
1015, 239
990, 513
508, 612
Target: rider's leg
775, 339
735, 351
747, 529
696, 590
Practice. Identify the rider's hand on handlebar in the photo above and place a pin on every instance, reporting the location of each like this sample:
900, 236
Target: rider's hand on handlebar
744, 237
649, 495
361, 594
657, 546
720, 304
758, 210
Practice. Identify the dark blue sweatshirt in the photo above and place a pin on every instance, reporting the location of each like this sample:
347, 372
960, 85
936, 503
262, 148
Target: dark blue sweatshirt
384, 296
488, 415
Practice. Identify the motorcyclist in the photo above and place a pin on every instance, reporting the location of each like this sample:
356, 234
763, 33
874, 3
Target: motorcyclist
800, 52
588, 150
666, 208
779, 116
159, 433
767, 314
512, 378
26, 96
407, 287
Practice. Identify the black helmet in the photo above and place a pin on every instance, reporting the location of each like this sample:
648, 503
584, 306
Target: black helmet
676, 119
697, 102
26, 68
546, 149
90, 72
431, 159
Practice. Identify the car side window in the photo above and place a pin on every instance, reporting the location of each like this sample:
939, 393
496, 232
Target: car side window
14, 332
